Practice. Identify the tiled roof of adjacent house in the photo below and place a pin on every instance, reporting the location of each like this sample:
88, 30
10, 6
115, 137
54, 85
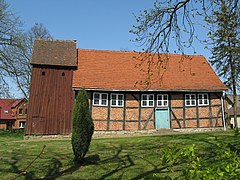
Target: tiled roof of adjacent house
5, 109
231, 111
116, 70
229, 98
54, 52
17, 101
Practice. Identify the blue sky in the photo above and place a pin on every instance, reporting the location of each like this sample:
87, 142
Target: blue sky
95, 24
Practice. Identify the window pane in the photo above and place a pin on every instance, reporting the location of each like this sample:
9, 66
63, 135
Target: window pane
96, 101
187, 97
104, 102
150, 97
104, 96
192, 96
120, 103
200, 101
114, 102
165, 97
200, 96
188, 103
159, 97
114, 96
150, 103
159, 103
144, 103
144, 97
193, 102
205, 101
96, 96
205, 96
165, 103
120, 97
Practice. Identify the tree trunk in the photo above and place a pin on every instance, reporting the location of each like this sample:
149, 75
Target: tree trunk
235, 107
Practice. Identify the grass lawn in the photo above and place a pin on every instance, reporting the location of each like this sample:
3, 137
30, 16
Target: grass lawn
110, 158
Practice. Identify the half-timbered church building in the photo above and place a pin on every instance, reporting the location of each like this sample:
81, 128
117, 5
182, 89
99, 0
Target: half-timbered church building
127, 90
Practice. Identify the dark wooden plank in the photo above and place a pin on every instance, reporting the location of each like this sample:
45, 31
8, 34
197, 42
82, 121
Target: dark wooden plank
91, 102
170, 109
210, 110
139, 112
135, 97
184, 111
108, 112
124, 112
197, 111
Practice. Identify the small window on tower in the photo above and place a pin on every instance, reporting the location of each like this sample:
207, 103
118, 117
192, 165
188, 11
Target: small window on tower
43, 73
63, 74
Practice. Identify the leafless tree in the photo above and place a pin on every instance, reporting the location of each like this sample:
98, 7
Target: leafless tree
10, 27
173, 22
15, 63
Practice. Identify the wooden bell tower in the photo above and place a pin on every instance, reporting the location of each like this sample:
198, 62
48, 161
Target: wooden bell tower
51, 95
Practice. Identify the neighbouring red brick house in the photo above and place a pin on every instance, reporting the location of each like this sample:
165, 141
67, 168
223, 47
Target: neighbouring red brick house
13, 113
181, 92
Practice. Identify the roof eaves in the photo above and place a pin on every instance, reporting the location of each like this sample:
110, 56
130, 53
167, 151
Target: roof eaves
147, 90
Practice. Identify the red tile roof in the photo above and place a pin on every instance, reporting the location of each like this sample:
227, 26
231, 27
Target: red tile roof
114, 70
5, 106
17, 101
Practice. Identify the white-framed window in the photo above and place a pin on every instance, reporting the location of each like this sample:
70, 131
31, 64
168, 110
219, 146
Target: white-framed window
100, 99
6, 112
117, 100
203, 99
147, 100
190, 99
162, 100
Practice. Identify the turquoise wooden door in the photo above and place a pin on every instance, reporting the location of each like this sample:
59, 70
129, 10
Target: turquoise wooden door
162, 118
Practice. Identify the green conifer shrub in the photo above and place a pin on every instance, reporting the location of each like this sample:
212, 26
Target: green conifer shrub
82, 126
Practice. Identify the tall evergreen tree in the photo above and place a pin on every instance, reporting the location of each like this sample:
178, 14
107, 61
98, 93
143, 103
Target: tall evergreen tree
226, 45
82, 127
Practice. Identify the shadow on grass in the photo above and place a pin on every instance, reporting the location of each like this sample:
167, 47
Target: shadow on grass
54, 171
12, 162
127, 161
123, 164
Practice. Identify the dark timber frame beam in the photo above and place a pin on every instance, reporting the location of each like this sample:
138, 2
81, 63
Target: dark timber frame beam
139, 111
210, 109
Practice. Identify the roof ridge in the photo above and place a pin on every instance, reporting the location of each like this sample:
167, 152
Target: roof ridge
106, 50
58, 40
